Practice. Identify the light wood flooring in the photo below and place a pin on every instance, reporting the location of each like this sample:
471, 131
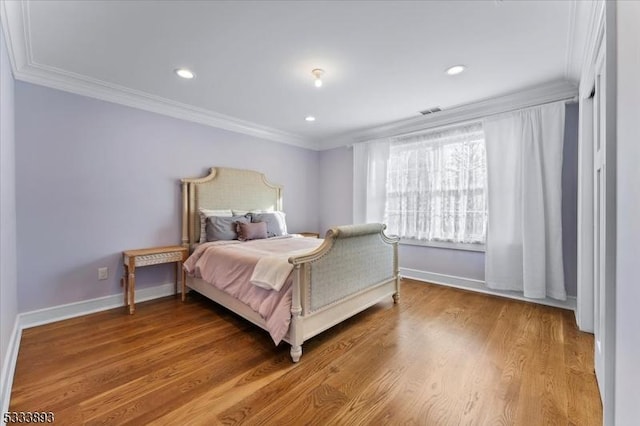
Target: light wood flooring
440, 357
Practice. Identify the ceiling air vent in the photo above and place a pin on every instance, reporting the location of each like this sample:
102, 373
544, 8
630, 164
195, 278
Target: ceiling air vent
430, 110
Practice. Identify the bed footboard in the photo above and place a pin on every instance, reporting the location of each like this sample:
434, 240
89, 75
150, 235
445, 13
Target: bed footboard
354, 268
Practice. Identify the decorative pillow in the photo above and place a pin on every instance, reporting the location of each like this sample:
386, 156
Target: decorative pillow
251, 231
204, 213
223, 228
276, 224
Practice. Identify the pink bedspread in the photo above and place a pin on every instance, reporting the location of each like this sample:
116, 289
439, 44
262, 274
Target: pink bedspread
228, 265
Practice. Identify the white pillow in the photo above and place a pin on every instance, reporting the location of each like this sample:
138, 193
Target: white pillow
204, 213
246, 212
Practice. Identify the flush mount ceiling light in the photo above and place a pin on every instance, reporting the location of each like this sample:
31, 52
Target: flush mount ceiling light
185, 73
310, 118
317, 73
456, 69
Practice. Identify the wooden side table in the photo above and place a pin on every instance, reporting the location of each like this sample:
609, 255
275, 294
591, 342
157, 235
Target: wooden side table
145, 257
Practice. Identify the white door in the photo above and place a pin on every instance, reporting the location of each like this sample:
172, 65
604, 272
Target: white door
603, 239
599, 216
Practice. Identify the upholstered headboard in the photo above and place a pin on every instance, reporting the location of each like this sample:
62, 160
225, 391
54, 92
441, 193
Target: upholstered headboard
225, 188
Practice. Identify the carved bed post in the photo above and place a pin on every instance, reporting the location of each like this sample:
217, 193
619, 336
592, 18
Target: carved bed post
185, 214
192, 208
295, 329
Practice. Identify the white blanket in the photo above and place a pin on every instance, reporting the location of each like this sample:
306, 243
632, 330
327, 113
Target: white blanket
271, 272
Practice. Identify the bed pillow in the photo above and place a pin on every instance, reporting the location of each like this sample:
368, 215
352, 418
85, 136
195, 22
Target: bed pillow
223, 228
204, 213
246, 212
251, 231
276, 224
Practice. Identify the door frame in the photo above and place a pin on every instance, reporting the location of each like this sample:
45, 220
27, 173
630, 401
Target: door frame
602, 42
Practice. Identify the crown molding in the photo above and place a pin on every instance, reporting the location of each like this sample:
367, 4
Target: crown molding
15, 23
93, 88
533, 96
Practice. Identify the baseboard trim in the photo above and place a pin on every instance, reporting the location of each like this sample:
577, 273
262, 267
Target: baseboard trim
85, 307
9, 365
479, 286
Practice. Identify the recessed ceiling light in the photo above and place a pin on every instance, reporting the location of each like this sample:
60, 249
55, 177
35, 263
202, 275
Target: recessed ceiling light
456, 69
310, 118
185, 73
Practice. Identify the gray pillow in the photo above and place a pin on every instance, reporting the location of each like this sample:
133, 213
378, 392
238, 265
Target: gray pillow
204, 213
276, 224
223, 228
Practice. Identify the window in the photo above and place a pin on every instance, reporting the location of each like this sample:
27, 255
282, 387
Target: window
435, 186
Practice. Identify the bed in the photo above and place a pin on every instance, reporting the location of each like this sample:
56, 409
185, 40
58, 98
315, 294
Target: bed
351, 269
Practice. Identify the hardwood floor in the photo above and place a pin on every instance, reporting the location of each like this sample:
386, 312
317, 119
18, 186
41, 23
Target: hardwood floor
440, 357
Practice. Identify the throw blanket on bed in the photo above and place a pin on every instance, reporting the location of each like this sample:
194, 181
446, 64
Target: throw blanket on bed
231, 265
272, 271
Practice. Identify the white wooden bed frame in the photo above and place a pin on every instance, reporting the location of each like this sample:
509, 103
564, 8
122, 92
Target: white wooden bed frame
354, 268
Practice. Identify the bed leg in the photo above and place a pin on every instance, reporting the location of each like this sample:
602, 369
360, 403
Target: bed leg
396, 295
296, 353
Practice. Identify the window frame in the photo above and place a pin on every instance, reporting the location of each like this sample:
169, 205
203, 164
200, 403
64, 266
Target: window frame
475, 247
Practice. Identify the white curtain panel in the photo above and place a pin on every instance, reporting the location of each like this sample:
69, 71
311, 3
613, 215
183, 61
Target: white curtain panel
369, 181
524, 169
436, 185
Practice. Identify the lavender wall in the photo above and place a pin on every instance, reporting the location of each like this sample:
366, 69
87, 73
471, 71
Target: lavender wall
336, 169
95, 178
336, 189
8, 280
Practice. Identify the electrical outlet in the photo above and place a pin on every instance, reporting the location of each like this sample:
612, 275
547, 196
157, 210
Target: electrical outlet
103, 273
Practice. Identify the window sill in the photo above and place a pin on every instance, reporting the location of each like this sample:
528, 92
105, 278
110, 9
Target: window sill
444, 245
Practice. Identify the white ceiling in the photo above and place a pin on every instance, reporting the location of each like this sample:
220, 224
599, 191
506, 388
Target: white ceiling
384, 60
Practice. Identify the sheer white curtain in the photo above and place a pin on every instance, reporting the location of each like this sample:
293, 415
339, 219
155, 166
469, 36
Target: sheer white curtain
524, 235
436, 185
